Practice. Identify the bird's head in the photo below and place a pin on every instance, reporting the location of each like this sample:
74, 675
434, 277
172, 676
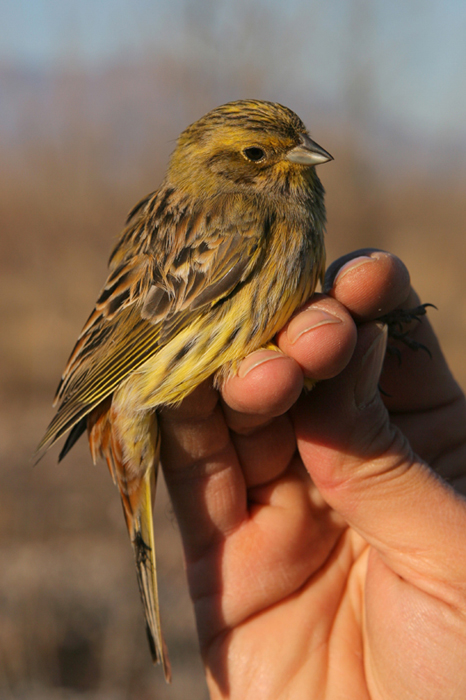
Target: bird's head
246, 146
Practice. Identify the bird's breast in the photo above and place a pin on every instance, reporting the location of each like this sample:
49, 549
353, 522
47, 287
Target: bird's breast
220, 337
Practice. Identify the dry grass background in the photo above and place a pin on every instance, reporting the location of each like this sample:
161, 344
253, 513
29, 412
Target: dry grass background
70, 618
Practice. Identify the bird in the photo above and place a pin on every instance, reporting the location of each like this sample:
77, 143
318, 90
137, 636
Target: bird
209, 267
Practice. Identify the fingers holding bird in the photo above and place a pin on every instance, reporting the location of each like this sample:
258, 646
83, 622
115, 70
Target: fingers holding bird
251, 422
386, 283
245, 439
231, 461
232, 469
315, 344
319, 339
371, 283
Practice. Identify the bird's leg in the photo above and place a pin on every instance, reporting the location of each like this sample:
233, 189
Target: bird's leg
398, 322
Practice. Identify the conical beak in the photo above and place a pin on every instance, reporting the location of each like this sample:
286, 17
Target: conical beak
308, 152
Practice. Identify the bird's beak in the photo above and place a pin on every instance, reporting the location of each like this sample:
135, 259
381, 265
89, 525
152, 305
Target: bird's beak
308, 152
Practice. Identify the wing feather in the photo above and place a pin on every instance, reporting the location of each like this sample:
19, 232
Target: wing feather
158, 281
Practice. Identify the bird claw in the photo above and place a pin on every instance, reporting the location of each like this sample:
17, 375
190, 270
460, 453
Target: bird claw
396, 321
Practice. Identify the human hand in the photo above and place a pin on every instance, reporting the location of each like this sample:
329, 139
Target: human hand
349, 582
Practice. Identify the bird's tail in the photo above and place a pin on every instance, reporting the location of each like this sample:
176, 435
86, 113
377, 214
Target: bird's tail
131, 447
142, 540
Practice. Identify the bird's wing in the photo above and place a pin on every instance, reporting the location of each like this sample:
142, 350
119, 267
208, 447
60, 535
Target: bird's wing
163, 271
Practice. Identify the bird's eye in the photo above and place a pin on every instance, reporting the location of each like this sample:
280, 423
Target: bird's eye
254, 153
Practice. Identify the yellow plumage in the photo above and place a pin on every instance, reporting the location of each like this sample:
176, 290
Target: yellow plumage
208, 269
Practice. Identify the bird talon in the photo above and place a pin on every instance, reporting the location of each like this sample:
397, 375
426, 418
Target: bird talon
397, 320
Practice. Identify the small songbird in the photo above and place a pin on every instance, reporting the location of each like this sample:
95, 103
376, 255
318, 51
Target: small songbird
209, 267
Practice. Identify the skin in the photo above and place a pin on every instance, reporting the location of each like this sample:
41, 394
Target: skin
350, 583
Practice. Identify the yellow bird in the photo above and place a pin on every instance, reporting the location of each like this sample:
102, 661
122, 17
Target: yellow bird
209, 267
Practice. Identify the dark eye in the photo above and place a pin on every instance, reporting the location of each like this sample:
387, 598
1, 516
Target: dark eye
254, 153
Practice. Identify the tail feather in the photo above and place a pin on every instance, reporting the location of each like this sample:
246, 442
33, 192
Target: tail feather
142, 541
131, 448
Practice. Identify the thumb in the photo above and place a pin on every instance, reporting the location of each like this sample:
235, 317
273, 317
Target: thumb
366, 470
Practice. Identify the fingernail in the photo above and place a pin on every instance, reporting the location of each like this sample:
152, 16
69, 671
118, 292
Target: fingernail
371, 367
307, 321
259, 357
352, 265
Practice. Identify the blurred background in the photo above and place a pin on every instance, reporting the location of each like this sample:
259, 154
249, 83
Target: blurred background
93, 94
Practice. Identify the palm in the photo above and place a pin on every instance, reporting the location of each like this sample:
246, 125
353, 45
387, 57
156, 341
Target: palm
297, 591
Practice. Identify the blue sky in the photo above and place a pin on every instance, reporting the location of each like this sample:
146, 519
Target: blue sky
409, 54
